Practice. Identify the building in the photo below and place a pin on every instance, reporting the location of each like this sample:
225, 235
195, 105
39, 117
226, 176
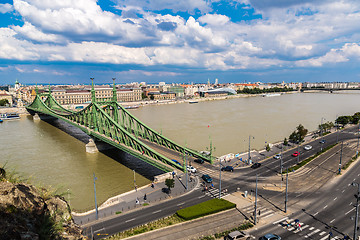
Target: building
162, 95
8, 97
178, 90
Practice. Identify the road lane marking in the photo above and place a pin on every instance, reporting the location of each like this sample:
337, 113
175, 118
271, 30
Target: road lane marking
312, 233
130, 220
311, 228
201, 196
101, 229
322, 233
350, 203
326, 237
325, 206
157, 211
343, 191
180, 204
316, 213
268, 215
335, 198
280, 220
349, 211
332, 220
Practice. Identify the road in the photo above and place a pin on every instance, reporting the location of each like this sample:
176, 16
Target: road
244, 178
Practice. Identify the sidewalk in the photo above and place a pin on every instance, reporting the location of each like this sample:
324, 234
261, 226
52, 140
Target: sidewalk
128, 201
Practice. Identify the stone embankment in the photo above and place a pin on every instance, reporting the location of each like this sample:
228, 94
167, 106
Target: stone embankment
30, 213
18, 110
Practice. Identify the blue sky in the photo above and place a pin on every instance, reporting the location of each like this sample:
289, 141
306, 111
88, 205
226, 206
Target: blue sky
69, 41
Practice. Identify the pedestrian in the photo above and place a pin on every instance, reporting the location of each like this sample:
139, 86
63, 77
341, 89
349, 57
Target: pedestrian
259, 212
135, 188
137, 201
299, 227
212, 185
173, 174
152, 185
145, 197
288, 224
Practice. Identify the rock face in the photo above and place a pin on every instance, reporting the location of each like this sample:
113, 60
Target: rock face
29, 213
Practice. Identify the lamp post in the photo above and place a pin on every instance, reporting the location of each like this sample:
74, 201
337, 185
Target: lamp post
357, 209
298, 156
322, 134
135, 181
220, 179
96, 207
357, 148
286, 190
255, 208
249, 156
342, 143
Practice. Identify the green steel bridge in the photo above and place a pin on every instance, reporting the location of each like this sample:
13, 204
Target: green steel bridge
108, 121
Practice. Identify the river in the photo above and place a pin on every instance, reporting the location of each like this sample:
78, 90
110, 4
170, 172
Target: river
45, 153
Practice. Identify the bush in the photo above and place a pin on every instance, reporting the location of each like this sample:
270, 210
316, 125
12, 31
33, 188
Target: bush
202, 209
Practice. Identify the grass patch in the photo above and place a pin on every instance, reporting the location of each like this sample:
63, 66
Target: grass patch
145, 204
168, 221
353, 159
202, 209
302, 163
118, 212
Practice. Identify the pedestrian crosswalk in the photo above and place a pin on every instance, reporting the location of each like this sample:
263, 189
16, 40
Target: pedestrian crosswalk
305, 231
214, 193
261, 212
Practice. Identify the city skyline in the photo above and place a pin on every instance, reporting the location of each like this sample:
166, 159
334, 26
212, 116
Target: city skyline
62, 42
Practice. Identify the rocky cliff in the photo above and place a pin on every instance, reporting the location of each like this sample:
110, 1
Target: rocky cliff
30, 213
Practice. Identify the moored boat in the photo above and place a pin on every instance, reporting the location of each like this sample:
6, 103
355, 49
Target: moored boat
9, 116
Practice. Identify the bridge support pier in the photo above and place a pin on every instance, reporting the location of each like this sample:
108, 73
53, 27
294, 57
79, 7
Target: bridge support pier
91, 146
36, 117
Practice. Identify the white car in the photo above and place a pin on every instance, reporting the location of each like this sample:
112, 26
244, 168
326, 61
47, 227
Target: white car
191, 169
277, 156
308, 147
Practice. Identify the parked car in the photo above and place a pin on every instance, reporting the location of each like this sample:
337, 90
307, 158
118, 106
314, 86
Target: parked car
270, 237
237, 235
206, 178
165, 190
199, 160
227, 168
191, 169
308, 147
295, 154
255, 165
277, 156
322, 141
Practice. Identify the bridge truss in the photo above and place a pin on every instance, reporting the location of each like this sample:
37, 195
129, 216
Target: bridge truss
108, 121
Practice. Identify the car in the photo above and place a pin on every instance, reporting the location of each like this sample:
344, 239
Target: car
175, 161
227, 168
255, 165
237, 235
322, 141
270, 237
277, 156
191, 169
206, 178
308, 147
199, 160
295, 154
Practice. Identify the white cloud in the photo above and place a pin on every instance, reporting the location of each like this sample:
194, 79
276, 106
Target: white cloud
214, 19
30, 32
175, 6
5, 8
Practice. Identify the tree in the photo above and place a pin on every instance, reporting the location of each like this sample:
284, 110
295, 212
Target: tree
286, 142
4, 102
267, 147
170, 183
298, 135
343, 120
152, 97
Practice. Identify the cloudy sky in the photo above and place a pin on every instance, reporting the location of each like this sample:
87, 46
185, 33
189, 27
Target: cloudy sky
69, 41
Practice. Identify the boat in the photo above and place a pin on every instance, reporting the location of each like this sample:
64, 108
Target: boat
271, 94
131, 107
1, 120
9, 116
192, 102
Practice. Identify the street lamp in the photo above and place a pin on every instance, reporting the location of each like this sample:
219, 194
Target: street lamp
135, 181
342, 143
357, 208
357, 148
220, 179
256, 188
249, 156
96, 207
321, 132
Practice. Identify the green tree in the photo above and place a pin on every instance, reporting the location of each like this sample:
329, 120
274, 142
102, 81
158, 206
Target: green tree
152, 97
267, 147
286, 142
299, 134
170, 183
4, 102
343, 120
